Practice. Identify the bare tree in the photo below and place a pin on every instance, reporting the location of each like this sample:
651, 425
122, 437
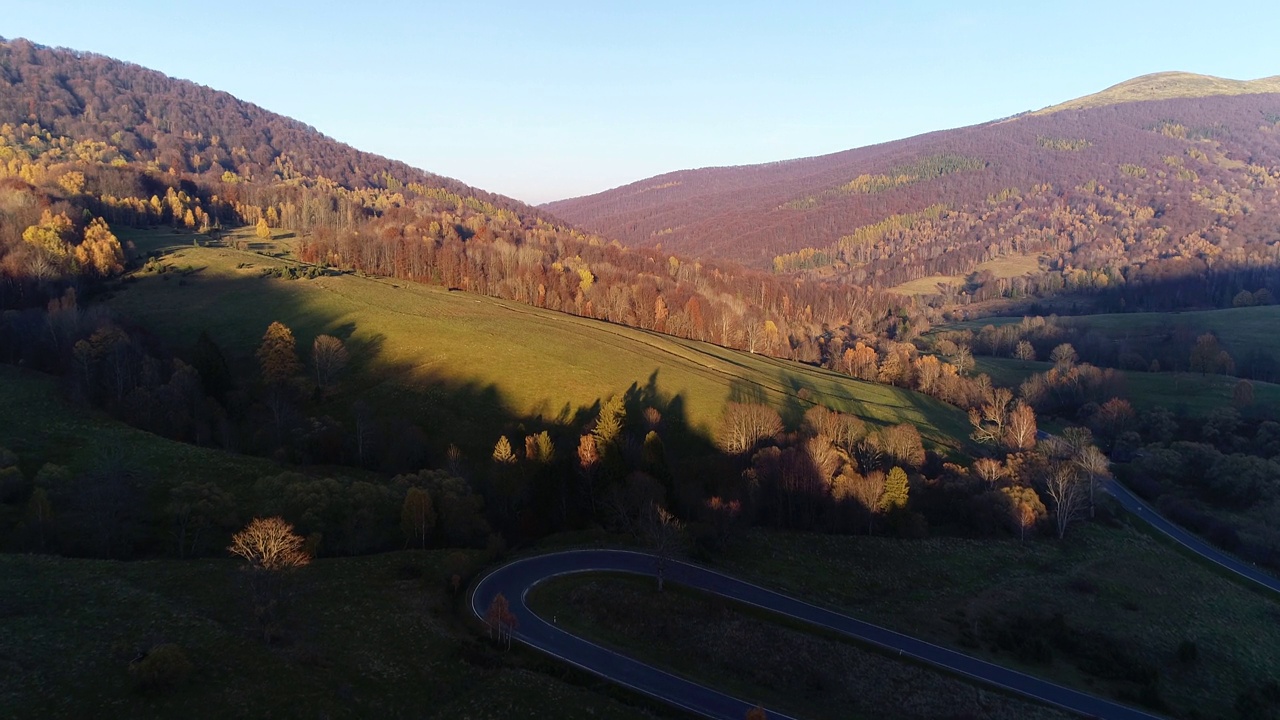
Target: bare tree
745, 424
500, 619
1020, 433
663, 531
1094, 464
990, 419
1067, 489
989, 469
417, 517
269, 544
328, 358
271, 547
867, 490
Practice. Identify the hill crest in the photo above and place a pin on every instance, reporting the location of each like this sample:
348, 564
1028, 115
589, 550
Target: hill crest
1167, 86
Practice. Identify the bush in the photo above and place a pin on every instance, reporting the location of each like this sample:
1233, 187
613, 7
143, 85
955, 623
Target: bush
1188, 652
165, 667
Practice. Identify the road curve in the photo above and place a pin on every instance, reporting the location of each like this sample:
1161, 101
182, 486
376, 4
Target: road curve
514, 580
1137, 506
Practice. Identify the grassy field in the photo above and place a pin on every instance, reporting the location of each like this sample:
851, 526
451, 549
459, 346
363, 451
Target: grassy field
745, 654
42, 428
1001, 267
1239, 330
451, 360
1184, 393
1109, 602
366, 637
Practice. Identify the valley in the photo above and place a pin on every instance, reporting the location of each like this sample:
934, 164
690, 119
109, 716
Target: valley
277, 415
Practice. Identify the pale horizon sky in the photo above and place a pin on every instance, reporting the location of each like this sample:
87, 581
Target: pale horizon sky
543, 101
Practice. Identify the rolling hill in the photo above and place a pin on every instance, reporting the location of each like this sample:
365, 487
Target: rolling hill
1157, 176
457, 363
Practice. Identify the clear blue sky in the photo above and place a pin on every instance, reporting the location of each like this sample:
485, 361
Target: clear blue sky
545, 100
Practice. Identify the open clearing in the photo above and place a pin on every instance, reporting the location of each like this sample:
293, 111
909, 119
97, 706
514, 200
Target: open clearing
1183, 393
452, 360
367, 637
1001, 267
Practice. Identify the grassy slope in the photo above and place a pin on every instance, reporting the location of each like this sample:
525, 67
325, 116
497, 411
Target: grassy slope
371, 636
41, 428
368, 637
458, 350
749, 656
1118, 582
1187, 393
1167, 86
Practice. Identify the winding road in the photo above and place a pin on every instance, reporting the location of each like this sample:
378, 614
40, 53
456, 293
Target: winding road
1151, 516
514, 580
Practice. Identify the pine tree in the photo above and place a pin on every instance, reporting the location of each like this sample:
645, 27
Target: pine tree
896, 490
502, 452
609, 424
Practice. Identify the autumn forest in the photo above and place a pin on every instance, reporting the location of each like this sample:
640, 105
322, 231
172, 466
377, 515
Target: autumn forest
948, 346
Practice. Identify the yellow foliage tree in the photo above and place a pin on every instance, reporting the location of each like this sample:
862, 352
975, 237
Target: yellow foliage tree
51, 235
72, 182
100, 251
263, 230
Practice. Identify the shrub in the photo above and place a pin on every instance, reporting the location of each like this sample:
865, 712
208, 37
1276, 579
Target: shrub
165, 667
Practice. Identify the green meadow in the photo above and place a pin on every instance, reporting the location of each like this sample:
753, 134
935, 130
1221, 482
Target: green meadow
453, 361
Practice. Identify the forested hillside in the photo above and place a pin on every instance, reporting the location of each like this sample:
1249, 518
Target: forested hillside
1108, 199
88, 144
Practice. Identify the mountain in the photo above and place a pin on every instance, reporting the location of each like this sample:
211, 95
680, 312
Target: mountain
183, 128
89, 144
1168, 86
1108, 185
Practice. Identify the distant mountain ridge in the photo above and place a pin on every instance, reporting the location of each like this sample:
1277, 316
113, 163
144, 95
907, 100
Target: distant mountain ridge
1167, 165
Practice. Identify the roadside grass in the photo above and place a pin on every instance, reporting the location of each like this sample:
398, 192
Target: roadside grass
452, 360
367, 637
1125, 600
1183, 393
749, 654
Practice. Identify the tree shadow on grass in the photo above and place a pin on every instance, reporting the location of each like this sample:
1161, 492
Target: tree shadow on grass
425, 391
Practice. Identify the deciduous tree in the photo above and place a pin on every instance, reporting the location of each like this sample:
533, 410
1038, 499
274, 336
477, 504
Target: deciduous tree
745, 424
269, 544
99, 252
501, 621
1020, 433
1065, 487
502, 452
278, 355
417, 517
663, 532
328, 358
896, 491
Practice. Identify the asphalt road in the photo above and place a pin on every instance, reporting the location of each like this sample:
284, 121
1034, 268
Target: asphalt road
516, 579
1138, 507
